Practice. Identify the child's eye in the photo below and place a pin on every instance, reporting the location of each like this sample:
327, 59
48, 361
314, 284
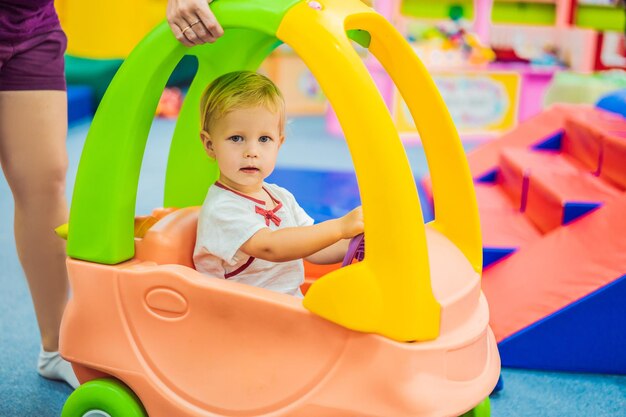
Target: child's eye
264, 139
236, 138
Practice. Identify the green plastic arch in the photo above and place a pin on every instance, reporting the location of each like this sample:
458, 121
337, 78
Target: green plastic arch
103, 204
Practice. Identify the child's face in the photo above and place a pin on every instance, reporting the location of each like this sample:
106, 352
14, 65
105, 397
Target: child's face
245, 144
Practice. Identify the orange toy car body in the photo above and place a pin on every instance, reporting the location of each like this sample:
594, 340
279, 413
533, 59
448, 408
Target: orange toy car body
189, 345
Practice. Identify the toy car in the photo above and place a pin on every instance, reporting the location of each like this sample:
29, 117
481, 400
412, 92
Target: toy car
402, 333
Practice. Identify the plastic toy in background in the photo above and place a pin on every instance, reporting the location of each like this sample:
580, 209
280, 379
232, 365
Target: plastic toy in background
478, 54
149, 335
460, 38
449, 44
170, 103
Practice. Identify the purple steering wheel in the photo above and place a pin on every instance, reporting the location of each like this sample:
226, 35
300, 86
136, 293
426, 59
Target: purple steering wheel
356, 250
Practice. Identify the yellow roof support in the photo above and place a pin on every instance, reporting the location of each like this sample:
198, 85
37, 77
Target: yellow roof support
390, 291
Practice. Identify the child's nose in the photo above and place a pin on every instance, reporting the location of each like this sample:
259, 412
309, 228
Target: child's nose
251, 152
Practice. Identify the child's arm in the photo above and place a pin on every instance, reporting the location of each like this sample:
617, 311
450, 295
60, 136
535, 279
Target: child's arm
301, 242
331, 254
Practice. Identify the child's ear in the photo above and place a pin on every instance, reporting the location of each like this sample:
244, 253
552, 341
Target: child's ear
281, 140
207, 143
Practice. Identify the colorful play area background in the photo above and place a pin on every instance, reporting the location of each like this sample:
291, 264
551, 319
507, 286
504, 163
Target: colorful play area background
503, 68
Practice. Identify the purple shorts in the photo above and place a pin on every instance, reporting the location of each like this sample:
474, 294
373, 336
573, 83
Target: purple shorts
34, 64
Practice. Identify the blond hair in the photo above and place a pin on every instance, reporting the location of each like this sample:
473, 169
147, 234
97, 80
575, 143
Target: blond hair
237, 90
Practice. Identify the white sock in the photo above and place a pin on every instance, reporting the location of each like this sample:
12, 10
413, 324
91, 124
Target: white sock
52, 366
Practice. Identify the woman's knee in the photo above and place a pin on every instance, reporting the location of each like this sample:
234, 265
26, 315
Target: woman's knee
33, 183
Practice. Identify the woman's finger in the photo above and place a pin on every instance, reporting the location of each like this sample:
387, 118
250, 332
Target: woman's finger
210, 23
200, 29
178, 33
191, 25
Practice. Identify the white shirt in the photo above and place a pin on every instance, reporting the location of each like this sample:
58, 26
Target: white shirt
228, 219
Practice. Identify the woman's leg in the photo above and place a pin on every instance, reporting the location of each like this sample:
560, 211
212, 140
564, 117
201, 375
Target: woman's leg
33, 128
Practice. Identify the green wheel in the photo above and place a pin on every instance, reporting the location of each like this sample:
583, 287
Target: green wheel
103, 398
481, 410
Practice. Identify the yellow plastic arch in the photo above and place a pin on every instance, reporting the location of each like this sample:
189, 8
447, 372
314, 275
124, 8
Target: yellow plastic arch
450, 173
389, 292
376, 295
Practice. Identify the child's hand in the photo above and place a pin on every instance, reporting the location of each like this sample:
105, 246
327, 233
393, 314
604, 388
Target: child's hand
352, 223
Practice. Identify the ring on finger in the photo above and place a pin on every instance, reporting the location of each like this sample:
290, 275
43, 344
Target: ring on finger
186, 29
194, 23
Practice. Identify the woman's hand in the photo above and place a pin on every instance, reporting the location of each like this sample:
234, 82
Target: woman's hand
193, 22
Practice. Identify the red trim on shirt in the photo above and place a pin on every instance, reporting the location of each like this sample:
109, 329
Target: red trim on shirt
222, 186
269, 215
274, 199
240, 269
